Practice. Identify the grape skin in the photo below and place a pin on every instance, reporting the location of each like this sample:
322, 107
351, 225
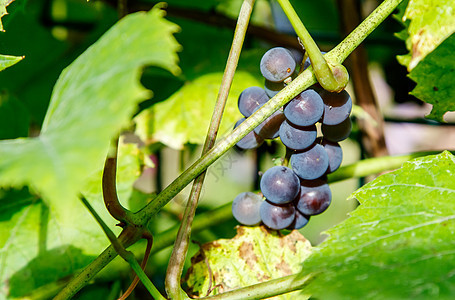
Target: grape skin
249, 141
337, 133
310, 164
273, 88
335, 154
277, 217
245, 208
269, 128
250, 99
297, 138
277, 64
300, 220
315, 197
338, 107
305, 109
280, 185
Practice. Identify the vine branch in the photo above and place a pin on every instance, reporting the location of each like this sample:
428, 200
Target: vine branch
179, 252
303, 81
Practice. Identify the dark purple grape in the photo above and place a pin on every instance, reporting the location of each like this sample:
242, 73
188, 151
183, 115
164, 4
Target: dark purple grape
280, 185
310, 164
315, 197
305, 109
335, 154
245, 208
269, 129
298, 55
250, 99
272, 88
300, 220
338, 106
249, 141
337, 133
277, 64
297, 138
277, 217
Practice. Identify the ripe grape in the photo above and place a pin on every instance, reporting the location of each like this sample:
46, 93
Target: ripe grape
277, 64
272, 88
337, 133
245, 208
250, 99
305, 109
280, 185
270, 127
338, 106
335, 154
249, 141
315, 197
310, 164
300, 220
277, 217
297, 138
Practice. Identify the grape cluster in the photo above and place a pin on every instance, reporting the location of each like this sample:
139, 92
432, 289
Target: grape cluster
293, 194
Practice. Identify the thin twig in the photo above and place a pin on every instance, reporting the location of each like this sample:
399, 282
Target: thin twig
143, 265
128, 256
179, 252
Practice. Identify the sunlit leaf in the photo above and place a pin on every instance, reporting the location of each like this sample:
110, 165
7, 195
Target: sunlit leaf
8, 61
185, 116
254, 255
429, 23
398, 244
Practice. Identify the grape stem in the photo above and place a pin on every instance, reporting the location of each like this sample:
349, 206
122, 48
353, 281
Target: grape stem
179, 252
333, 78
303, 81
128, 256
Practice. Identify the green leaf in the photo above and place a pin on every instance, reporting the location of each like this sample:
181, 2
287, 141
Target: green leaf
38, 247
398, 244
185, 116
8, 60
431, 22
93, 99
3, 5
254, 255
435, 77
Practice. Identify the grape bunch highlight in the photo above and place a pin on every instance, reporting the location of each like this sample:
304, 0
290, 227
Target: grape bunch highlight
291, 195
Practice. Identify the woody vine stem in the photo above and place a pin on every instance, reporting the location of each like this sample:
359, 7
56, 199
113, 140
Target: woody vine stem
307, 78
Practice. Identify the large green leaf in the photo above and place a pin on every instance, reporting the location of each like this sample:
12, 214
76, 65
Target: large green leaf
8, 61
398, 244
185, 116
254, 255
430, 22
38, 247
92, 100
435, 77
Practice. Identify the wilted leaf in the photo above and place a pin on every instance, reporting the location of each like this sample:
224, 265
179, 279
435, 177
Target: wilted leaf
398, 244
254, 255
431, 22
185, 116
